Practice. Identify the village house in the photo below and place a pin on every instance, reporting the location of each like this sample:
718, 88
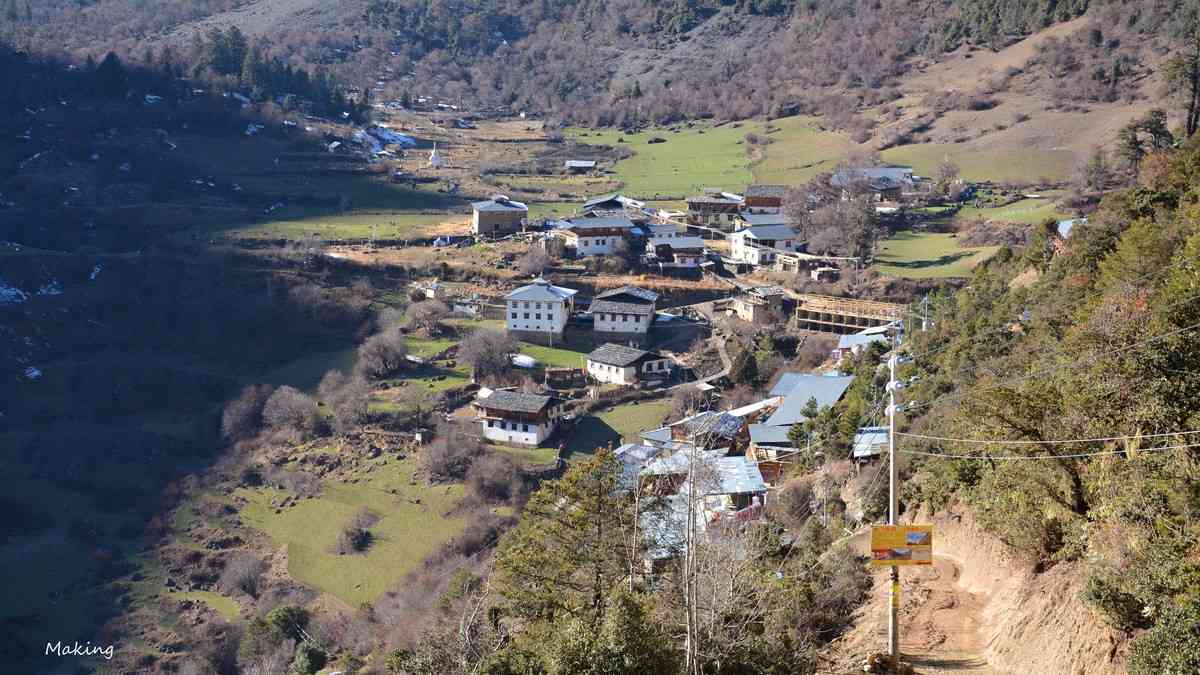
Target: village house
801, 388
869, 443
627, 310
497, 216
759, 244
517, 418
618, 364
715, 209
598, 235
854, 343
611, 204
887, 184
539, 310
764, 198
759, 306
675, 250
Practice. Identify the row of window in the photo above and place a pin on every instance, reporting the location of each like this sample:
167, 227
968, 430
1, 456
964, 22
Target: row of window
536, 315
512, 304
624, 317
508, 426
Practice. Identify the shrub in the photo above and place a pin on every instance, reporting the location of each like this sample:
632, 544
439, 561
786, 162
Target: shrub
356, 536
243, 573
1172, 646
1121, 609
243, 416
495, 478
448, 456
288, 621
309, 659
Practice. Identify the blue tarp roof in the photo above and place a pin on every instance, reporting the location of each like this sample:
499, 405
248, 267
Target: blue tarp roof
826, 390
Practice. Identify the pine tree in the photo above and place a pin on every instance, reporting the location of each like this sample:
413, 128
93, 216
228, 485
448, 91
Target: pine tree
571, 547
744, 369
110, 77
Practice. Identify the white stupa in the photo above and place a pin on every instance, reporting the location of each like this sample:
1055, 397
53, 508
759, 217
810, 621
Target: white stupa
435, 159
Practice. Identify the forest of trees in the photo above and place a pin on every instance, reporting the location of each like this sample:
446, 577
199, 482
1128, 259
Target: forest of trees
527, 55
1103, 343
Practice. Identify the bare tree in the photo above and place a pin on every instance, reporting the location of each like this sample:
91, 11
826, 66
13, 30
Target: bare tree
450, 454
427, 316
347, 398
382, 354
487, 352
243, 416
290, 409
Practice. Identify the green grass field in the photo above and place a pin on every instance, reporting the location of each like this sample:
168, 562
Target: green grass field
799, 150
226, 607
405, 535
1002, 166
555, 357
1028, 211
702, 156
618, 425
930, 255
387, 225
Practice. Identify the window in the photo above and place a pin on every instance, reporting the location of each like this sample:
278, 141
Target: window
624, 317
514, 315
538, 316
491, 423
526, 315
526, 304
526, 427
537, 305
637, 319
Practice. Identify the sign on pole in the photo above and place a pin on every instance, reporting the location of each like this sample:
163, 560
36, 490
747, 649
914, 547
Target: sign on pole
901, 545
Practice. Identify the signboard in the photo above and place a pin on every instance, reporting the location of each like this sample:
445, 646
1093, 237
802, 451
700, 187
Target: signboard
902, 545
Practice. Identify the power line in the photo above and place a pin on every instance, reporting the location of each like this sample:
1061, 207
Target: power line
1079, 455
1044, 442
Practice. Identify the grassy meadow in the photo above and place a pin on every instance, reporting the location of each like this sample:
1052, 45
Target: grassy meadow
999, 165
799, 150
617, 425
407, 532
929, 255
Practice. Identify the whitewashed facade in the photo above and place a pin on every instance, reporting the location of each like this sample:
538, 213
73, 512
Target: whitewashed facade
539, 308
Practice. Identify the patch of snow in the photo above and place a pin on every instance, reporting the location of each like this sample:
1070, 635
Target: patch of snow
151, 99
252, 129
52, 288
11, 295
33, 373
95, 272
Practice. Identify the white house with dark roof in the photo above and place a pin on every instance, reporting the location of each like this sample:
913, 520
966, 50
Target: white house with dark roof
539, 310
497, 216
517, 418
764, 198
618, 364
758, 244
886, 182
627, 310
596, 235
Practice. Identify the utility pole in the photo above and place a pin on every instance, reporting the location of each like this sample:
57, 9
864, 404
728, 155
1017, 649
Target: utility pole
893, 499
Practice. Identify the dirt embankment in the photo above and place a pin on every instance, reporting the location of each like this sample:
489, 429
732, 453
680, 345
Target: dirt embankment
979, 610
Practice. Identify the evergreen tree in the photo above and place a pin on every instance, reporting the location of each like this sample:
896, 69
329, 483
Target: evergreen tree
570, 548
744, 369
110, 77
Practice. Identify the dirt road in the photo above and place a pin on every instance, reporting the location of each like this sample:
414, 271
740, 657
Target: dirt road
941, 624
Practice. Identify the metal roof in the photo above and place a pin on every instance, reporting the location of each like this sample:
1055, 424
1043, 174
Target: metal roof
580, 163
737, 475
633, 456
719, 424
541, 289
868, 440
712, 200
515, 401
619, 355
499, 204
859, 339
766, 191
879, 178
599, 222
766, 434
618, 307
826, 391
682, 243
753, 219
639, 293
769, 232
